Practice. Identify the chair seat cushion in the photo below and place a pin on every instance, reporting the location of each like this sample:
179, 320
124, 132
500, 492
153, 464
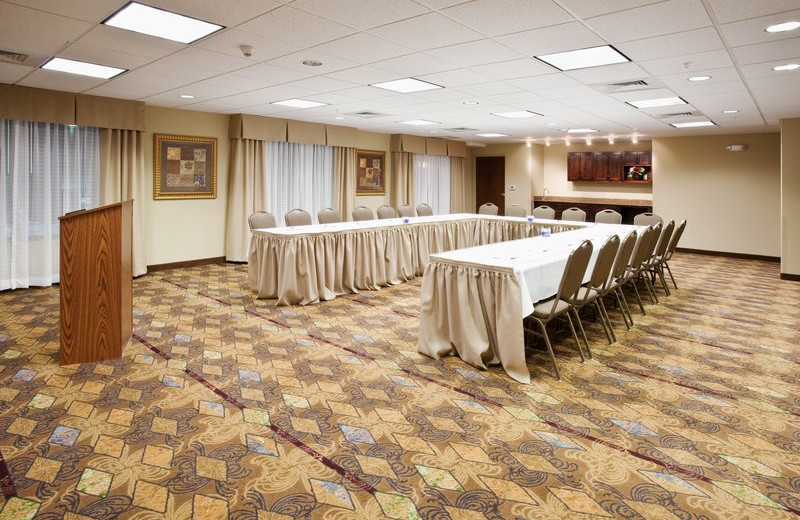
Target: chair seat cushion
585, 295
543, 308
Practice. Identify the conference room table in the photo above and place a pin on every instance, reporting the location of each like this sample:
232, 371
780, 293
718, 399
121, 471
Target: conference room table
474, 300
308, 264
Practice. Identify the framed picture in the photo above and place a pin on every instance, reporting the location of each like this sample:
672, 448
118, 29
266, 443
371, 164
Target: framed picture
184, 167
371, 178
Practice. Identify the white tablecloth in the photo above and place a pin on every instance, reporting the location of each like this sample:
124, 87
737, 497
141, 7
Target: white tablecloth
473, 300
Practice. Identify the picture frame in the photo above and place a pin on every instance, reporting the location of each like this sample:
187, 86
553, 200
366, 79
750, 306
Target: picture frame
184, 167
371, 172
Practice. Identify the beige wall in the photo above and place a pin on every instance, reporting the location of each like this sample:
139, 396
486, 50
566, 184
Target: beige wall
731, 200
523, 167
790, 194
555, 174
181, 230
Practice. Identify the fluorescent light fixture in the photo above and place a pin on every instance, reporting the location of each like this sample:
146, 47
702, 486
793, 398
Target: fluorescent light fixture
406, 85
299, 103
610, 140
492, 134
693, 124
634, 139
418, 122
567, 142
589, 141
583, 58
547, 142
788, 66
469, 103
580, 131
730, 111
82, 68
782, 27
186, 96
163, 24
659, 102
338, 118
516, 115
700, 78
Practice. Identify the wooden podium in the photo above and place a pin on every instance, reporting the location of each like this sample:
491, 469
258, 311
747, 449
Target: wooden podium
96, 283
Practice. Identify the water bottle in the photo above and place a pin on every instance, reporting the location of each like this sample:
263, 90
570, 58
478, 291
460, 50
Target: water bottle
546, 232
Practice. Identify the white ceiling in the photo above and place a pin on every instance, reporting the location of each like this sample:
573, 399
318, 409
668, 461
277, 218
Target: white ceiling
479, 50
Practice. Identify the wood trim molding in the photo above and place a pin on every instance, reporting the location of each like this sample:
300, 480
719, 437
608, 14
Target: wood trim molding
186, 263
743, 256
790, 277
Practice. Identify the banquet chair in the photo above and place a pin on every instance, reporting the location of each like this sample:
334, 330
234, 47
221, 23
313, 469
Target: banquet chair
654, 263
544, 212
362, 213
406, 210
673, 243
487, 209
574, 214
386, 212
617, 278
546, 310
298, 217
647, 219
328, 216
515, 210
423, 210
591, 291
608, 216
261, 220
643, 251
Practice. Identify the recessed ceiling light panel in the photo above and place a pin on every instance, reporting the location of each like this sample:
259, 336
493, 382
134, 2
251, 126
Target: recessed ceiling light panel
788, 66
82, 68
730, 111
186, 96
660, 102
517, 114
699, 78
583, 58
492, 134
418, 122
782, 27
299, 103
406, 85
693, 124
162, 24
580, 130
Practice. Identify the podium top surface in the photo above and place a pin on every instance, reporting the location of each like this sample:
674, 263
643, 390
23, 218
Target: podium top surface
81, 212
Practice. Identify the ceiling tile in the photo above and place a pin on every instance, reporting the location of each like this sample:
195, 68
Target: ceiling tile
41, 78
214, 11
590, 8
751, 31
514, 69
330, 63
689, 42
778, 50
496, 17
735, 10
565, 37
548, 81
414, 65
362, 48
81, 52
52, 32
137, 84
362, 14
680, 82
455, 78
229, 42
296, 27
120, 41
10, 73
608, 74
363, 75
690, 64
194, 64
651, 20
266, 74
94, 11
426, 32
475, 53
322, 84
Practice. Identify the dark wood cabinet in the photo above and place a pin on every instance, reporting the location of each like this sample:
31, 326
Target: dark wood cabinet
607, 166
591, 209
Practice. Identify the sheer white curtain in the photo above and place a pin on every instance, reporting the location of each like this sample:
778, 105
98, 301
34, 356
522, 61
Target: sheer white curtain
299, 176
432, 182
46, 170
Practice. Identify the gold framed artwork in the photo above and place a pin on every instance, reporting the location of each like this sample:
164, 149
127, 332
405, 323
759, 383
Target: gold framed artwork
371, 176
184, 167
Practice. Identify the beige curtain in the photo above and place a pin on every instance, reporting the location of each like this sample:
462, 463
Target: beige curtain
121, 178
459, 187
344, 180
247, 193
402, 184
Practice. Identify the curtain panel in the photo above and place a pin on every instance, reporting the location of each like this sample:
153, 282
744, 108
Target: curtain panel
122, 177
247, 193
344, 181
402, 179
461, 188
432, 182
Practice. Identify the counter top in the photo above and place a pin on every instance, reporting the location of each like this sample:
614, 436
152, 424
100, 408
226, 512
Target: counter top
587, 200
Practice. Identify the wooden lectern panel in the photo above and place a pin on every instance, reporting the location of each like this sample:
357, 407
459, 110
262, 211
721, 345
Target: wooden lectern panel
96, 283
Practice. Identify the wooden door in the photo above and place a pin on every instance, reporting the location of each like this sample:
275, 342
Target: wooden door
615, 166
587, 166
630, 159
600, 172
574, 166
644, 158
490, 182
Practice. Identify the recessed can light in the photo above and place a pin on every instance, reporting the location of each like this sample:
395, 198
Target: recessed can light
730, 111
469, 103
782, 27
311, 63
186, 96
788, 66
700, 78
338, 118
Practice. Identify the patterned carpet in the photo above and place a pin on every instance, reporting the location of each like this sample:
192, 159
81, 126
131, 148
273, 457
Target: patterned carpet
228, 407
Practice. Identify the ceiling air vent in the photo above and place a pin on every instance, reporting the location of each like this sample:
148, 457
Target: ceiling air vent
676, 114
627, 86
13, 57
460, 129
366, 113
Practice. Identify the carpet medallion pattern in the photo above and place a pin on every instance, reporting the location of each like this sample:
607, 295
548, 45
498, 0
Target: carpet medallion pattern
224, 406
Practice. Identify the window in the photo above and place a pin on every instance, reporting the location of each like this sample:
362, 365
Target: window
299, 176
46, 170
432, 182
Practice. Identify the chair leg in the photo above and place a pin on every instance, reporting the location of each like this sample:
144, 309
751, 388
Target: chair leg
603, 320
604, 311
670, 275
623, 308
651, 292
583, 333
549, 348
660, 272
638, 297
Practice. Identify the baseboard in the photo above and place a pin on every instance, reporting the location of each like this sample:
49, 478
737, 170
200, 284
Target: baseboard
790, 277
730, 255
186, 263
